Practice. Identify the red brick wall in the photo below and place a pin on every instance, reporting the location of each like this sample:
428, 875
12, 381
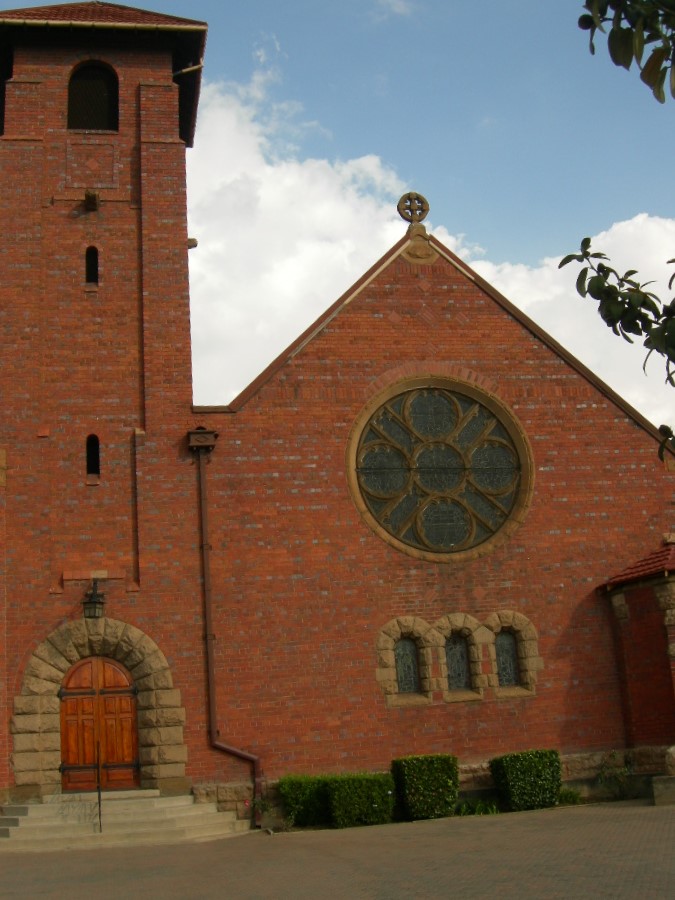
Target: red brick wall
303, 586
113, 361
649, 697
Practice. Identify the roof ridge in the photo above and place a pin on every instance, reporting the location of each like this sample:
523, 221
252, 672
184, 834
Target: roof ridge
95, 12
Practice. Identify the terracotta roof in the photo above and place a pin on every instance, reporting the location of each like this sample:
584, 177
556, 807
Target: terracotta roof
96, 13
186, 36
658, 564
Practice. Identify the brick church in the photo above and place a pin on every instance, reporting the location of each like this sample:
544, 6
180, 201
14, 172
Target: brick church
424, 528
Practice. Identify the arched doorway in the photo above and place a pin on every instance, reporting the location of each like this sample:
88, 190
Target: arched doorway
37, 721
99, 727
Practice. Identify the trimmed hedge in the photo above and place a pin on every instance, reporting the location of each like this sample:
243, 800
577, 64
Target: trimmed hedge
338, 800
361, 799
426, 786
305, 800
528, 780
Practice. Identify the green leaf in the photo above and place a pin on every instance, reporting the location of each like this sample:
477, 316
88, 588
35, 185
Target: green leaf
638, 41
659, 89
595, 287
620, 45
651, 70
651, 307
594, 10
585, 244
568, 259
581, 281
644, 364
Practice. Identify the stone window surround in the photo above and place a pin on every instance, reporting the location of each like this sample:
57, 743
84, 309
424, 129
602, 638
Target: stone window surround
426, 639
465, 382
529, 660
431, 640
470, 628
36, 723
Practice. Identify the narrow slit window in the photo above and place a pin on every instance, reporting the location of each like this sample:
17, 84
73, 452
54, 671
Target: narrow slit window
93, 98
506, 648
91, 265
93, 457
407, 666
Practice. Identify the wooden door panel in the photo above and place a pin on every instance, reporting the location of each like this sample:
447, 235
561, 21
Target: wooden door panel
112, 676
99, 731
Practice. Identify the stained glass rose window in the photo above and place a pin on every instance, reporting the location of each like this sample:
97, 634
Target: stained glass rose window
439, 470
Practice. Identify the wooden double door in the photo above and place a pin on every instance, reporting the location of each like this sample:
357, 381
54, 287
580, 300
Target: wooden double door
99, 727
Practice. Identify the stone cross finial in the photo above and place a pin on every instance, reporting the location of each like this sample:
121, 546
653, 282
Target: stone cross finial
413, 207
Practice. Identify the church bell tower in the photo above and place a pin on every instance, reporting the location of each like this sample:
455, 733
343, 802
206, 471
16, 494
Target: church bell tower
97, 106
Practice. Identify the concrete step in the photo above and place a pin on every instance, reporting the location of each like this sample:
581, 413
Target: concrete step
217, 820
88, 841
128, 818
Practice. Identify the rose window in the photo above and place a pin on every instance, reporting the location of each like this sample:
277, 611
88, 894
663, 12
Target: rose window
439, 470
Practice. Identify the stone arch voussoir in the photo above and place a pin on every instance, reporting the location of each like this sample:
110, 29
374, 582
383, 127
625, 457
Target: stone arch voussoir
36, 722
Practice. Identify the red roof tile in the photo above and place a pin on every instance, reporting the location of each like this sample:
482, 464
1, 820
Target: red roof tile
658, 564
96, 13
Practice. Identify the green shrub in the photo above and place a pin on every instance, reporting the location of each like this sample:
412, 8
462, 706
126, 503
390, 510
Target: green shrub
477, 808
426, 786
528, 780
305, 799
360, 799
568, 797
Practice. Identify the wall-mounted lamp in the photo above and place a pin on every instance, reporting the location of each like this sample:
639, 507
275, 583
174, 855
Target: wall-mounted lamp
93, 602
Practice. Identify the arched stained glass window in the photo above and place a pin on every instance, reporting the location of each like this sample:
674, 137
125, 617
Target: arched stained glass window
93, 98
506, 649
407, 666
457, 660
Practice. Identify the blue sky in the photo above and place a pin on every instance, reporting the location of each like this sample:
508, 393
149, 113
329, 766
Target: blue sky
315, 117
496, 112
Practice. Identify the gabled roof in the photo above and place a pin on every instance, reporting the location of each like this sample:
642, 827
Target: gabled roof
658, 564
400, 248
186, 37
95, 13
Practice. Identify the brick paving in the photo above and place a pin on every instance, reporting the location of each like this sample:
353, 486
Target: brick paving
620, 850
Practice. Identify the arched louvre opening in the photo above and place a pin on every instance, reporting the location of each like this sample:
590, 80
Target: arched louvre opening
93, 98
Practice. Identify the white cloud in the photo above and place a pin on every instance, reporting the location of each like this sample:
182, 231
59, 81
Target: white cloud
281, 238
547, 295
395, 7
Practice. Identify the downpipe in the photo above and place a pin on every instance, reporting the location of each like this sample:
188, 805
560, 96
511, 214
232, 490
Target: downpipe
201, 443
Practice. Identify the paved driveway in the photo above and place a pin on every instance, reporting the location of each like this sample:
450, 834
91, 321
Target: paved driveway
620, 850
